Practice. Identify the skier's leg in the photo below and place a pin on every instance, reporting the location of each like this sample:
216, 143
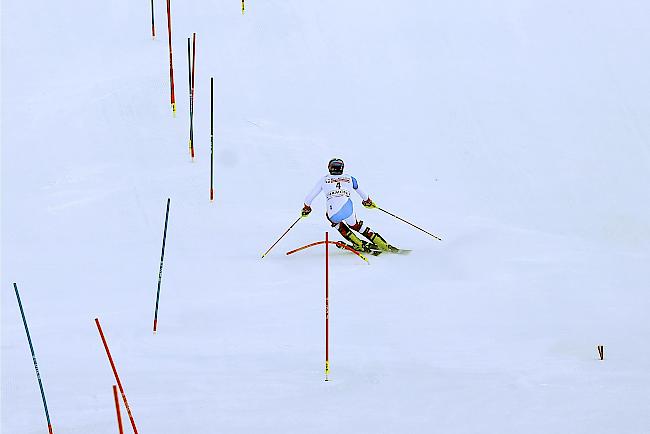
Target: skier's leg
374, 237
342, 220
347, 233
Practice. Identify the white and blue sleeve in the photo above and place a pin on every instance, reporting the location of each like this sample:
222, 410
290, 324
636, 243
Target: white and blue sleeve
314, 192
360, 192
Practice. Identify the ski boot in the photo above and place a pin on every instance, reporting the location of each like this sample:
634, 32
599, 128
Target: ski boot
376, 239
357, 244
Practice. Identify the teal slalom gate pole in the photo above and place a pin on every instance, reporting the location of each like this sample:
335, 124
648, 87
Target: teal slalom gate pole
162, 258
31, 348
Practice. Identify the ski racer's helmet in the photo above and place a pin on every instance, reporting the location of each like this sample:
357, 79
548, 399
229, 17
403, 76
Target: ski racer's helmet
335, 166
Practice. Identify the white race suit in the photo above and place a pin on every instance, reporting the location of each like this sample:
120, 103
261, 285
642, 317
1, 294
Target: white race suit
337, 189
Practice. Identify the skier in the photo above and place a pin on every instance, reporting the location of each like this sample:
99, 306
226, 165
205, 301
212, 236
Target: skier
340, 212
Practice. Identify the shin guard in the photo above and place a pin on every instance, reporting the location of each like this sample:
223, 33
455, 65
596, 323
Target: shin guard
347, 233
376, 239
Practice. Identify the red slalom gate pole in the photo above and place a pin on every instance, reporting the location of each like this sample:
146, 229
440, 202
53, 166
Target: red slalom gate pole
117, 377
117, 410
171, 64
327, 309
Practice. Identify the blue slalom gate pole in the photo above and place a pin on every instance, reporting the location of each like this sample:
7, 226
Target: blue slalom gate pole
31, 347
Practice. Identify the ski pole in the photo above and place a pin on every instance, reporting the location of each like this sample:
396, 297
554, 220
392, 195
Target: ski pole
416, 227
285, 232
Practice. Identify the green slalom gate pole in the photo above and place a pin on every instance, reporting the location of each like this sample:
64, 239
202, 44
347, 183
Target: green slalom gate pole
211, 138
31, 348
153, 24
162, 258
189, 76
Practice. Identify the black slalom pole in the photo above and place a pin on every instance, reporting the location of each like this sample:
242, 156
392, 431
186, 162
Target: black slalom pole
211, 138
189, 74
153, 24
162, 258
31, 347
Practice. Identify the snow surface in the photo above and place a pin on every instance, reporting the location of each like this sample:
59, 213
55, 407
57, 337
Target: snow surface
516, 129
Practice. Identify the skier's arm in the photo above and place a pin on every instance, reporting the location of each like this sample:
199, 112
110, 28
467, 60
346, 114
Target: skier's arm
367, 202
314, 192
360, 192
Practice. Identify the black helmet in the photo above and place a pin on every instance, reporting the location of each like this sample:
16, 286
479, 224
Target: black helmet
335, 166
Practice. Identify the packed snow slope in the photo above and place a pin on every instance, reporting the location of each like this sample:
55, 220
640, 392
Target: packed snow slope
517, 130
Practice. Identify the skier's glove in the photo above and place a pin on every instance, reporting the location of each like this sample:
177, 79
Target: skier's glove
368, 203
306, 210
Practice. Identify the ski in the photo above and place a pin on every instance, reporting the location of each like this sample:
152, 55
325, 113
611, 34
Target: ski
373, 252
397, 251
378, 251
